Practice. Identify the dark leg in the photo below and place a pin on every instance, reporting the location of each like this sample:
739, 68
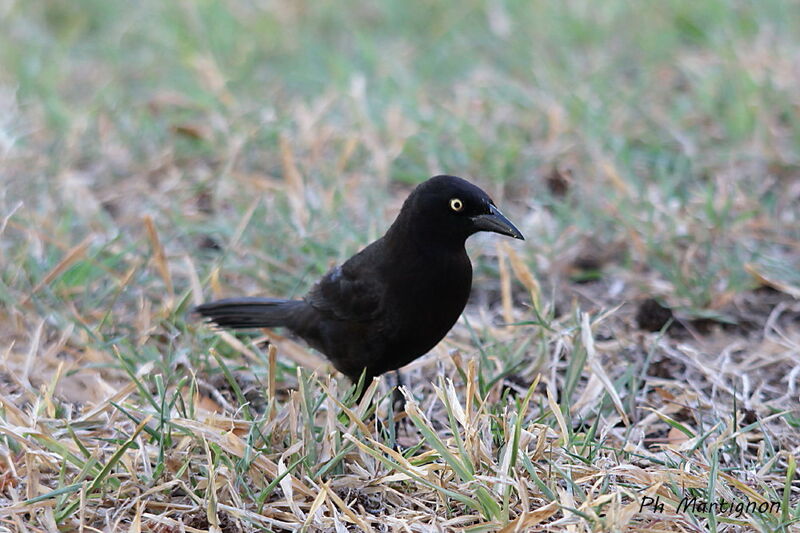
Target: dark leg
398, 399
360, 384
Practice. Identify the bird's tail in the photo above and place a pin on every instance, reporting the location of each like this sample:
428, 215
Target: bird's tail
239, 313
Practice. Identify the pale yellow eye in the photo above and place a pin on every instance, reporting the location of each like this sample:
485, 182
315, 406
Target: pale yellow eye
456, 204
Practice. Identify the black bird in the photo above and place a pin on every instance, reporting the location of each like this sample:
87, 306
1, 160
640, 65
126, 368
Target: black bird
394, 300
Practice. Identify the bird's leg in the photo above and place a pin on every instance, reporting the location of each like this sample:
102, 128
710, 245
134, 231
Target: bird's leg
389, 424
398, 400
399, 405
361, 383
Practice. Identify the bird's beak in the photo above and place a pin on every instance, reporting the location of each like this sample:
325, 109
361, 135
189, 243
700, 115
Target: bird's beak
497, 222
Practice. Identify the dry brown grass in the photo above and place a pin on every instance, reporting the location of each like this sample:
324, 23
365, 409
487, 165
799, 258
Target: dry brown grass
547, 408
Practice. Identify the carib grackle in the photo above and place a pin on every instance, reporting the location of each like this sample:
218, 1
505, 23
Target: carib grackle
394, 300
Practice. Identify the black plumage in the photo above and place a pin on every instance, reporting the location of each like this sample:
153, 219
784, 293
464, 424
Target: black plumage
394, 300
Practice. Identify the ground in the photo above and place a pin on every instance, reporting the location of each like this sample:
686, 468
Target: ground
633, 362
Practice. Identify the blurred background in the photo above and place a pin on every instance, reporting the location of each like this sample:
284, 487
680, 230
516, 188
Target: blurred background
155, 154
659, 137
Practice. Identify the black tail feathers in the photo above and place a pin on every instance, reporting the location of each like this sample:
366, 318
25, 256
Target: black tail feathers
239, 313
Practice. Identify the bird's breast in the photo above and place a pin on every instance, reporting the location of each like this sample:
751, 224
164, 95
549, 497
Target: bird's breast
427, 300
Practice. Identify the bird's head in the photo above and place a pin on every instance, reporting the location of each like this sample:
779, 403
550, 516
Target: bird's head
453, 209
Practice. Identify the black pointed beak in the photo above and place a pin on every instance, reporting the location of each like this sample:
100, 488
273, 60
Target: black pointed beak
497, 222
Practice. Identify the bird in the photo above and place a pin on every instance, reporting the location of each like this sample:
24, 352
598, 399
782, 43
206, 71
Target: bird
393, 301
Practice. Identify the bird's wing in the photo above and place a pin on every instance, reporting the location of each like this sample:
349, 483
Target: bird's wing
352, 291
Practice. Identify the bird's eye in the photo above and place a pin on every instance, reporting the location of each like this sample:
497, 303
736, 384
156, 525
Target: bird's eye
456, 204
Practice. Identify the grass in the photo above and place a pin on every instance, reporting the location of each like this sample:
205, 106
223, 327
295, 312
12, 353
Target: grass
165, 153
